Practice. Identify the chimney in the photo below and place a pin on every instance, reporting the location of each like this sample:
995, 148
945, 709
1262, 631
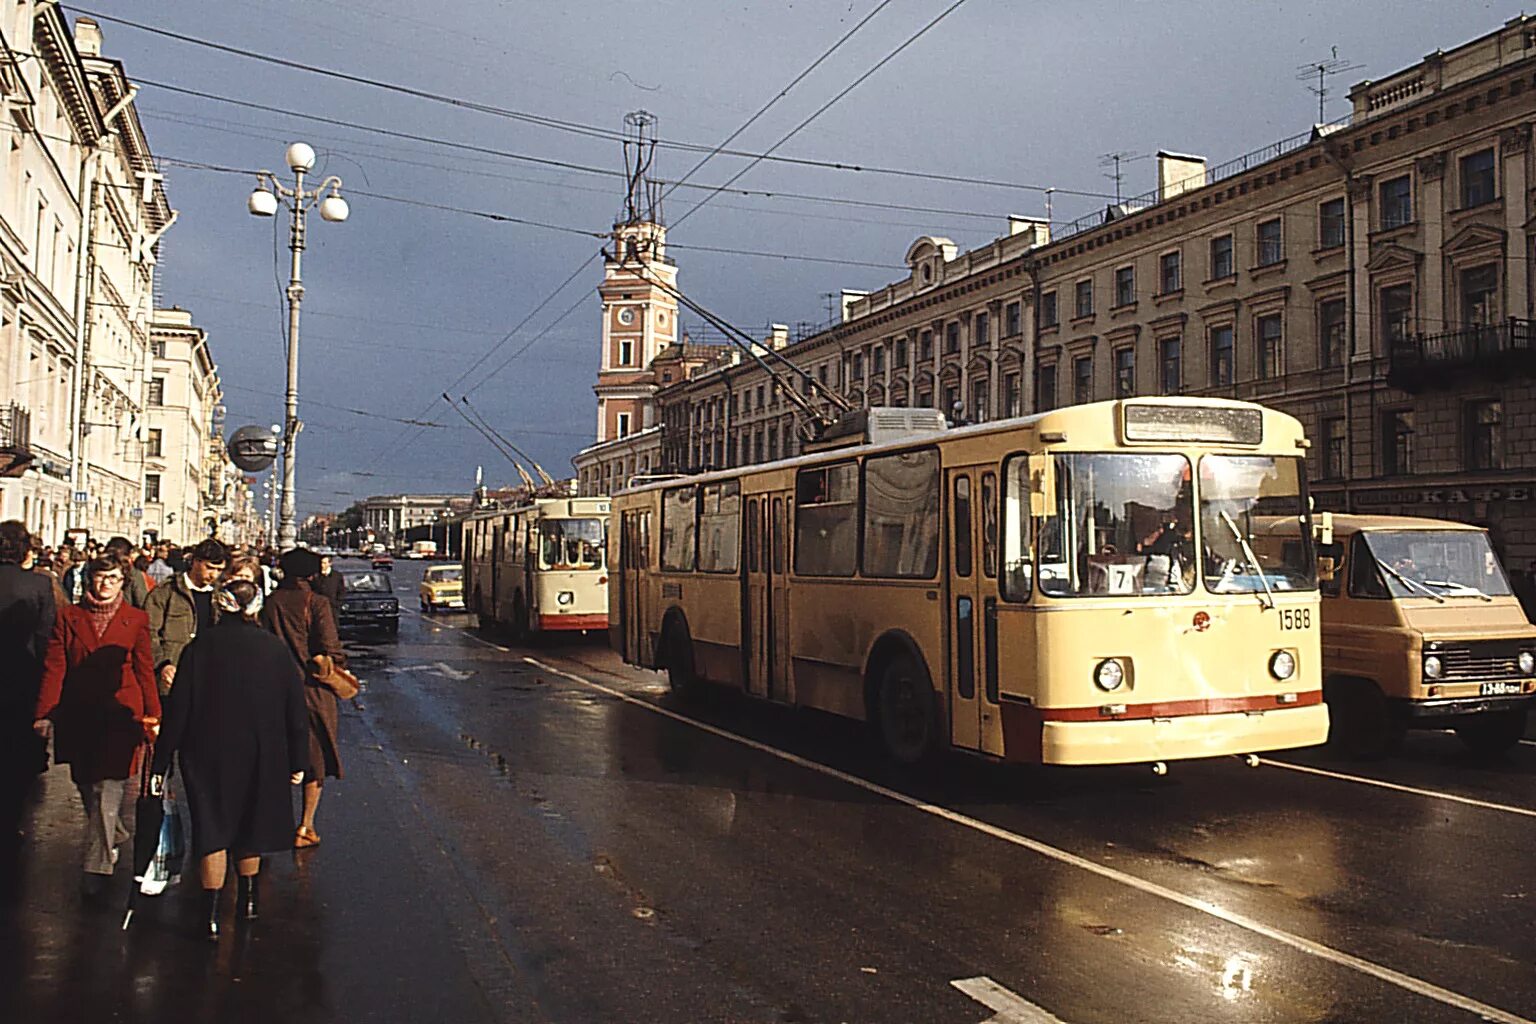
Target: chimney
778, 335
87, 37
1039, 227
851, 296
1178, 173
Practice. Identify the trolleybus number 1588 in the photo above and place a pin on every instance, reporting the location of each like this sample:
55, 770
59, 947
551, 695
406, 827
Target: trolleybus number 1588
1295, 618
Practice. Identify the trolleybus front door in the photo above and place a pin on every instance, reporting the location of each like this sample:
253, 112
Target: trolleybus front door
974, 720
757, 630
633, 561
777, 558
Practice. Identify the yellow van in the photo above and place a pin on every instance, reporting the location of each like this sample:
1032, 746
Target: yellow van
1421, 629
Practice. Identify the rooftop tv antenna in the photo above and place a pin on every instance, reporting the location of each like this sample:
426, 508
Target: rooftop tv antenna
1115, 160
642, 202
1323, 70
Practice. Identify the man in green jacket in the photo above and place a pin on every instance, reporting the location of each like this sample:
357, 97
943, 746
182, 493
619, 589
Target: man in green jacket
182, 607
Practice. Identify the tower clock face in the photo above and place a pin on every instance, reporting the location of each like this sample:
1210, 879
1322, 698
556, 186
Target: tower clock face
626, 316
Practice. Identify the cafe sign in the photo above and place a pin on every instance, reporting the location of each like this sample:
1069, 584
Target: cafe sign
1444, 495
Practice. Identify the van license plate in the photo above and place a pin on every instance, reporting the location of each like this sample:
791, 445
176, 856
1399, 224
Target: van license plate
1500, 690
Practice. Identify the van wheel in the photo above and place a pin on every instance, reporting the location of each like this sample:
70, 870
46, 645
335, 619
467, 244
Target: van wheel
1493, 732
1361, 722
678, 661
905, 713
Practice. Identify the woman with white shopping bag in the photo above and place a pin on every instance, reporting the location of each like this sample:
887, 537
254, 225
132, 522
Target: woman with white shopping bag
237, 718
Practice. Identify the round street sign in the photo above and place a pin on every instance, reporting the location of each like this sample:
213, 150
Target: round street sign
253, 448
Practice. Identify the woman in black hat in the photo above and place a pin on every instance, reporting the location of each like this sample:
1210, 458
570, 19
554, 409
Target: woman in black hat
305, 622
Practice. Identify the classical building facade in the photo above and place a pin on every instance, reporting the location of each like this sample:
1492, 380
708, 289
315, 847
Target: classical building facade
388, 516
1372, 277
182, 396
82, 209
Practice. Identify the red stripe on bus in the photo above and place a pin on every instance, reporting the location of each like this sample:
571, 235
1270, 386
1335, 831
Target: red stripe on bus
555, 622
1179, 708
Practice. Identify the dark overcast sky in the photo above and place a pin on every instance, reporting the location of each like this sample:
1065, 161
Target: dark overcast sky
401, 298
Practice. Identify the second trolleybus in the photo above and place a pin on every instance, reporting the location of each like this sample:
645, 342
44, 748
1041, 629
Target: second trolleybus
1081, 586
538, 568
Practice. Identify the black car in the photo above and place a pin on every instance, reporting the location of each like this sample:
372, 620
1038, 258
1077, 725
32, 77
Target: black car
368, 603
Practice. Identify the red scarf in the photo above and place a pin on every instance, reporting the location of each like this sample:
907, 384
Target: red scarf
101, 612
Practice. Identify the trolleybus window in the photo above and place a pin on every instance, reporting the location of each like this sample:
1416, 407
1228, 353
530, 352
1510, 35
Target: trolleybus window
1434, 563
1018, 556
901, 515
1242, 497
1122, 524
962, 501
989, 524
720, 527
677, 529
570, 544
826, 524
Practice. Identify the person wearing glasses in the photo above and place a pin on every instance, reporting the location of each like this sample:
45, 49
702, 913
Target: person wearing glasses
99, 702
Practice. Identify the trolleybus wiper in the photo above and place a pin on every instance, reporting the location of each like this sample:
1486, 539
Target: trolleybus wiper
1411, 584
1248, 553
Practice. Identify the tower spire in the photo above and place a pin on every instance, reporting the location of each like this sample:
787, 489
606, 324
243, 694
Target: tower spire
642, 201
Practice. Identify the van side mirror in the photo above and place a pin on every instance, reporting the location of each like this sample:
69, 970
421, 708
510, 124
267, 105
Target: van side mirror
1322, 528
1327, 568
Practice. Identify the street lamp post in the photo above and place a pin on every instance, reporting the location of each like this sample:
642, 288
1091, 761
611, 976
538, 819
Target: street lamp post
263, 202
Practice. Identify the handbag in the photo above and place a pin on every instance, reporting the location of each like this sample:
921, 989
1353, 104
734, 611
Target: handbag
324, 670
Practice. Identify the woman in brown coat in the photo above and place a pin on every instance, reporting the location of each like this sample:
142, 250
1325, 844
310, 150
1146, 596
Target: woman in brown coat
304, 621
98, 692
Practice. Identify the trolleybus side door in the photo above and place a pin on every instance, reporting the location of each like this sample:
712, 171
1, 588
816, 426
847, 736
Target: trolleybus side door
757, 634
963, 615
777, 559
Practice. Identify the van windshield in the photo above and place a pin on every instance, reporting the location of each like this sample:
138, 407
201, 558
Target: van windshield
1436, 563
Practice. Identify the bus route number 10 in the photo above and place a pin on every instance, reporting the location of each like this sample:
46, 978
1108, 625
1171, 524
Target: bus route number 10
1295, 618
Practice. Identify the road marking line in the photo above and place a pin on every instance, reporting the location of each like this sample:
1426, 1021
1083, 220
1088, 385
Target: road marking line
1415, 790
1407, 982
1011, 1007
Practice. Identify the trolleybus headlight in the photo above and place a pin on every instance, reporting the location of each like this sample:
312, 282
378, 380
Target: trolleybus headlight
1433, 669
565, 597
1109, 675
1527, 663
1282, 665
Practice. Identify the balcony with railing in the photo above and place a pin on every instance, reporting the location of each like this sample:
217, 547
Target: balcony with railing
1442, 359
15, 440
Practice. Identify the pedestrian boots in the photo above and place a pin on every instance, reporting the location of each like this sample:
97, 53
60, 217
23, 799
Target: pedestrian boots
246, 896
211, 896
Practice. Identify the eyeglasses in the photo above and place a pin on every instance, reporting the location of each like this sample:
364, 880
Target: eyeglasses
114, 578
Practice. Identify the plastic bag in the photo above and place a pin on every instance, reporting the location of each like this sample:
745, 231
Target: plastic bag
170, 851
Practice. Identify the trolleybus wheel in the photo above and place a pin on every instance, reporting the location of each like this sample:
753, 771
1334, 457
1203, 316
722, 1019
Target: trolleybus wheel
678, 661
1361, 722
1492, 732
519, 618
904, 711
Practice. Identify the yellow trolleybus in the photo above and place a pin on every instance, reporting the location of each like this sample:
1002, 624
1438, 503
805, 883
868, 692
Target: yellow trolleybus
1076, 587
538, 568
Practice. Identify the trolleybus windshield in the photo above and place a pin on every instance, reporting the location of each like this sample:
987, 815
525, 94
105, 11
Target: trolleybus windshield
570, 544
1443, 563
1242, 497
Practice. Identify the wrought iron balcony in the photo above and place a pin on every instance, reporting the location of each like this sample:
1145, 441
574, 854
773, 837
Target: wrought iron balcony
1445, 358
15, 440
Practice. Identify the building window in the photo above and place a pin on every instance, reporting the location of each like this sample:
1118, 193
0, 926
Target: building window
1171, 272
1479, 295
623, 424
1049, 317
980, 328
1477, 181
1397, 442
157, 349
821, 375
1485, 434
1125, 372
1084, 305
1269, 331
925, 347
760, 405
1221, 258
1396, 202
1396, 315
151, 488
1331, 332
978, 401
1271, 246
773, 443
952, 338
1221, 355
877, 358
1012, 317
925, 399
857, 371
1045, 388
1333, 448
1011, 395
901, 352
156, 391
1330, 224
1170, 366
152, 447
1082, 380
952, 407
1125, 286
626, 352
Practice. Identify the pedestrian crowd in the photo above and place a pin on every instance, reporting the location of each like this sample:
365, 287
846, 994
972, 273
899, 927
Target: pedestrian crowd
213, 670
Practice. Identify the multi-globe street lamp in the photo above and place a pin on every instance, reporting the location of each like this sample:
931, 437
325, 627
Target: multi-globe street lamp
264, 202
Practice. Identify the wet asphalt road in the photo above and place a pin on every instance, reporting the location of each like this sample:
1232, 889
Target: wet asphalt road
545, 835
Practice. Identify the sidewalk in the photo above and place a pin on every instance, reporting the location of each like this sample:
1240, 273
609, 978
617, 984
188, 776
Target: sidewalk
349, 930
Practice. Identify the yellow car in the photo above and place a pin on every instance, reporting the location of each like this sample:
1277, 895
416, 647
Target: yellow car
442, 587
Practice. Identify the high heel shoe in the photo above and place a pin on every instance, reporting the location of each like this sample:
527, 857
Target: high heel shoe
246, 897
212, 898
304, 838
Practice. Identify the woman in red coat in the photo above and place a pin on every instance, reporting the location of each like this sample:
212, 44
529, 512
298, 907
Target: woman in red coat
99, 694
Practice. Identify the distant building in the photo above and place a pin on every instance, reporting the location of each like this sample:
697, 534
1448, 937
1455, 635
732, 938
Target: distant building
388, 516
182, 397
